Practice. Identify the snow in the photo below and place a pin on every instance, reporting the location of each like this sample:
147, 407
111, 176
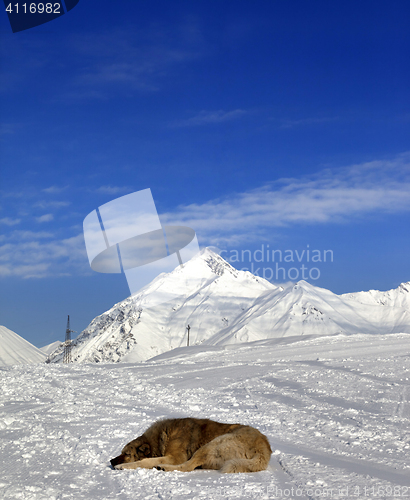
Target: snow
16, 350
335, 409
324, 376
48, 349
399, 297
225, 306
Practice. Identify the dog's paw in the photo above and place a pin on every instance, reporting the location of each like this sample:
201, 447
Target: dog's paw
123, 466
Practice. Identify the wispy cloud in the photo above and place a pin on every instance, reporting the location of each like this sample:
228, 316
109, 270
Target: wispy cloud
20, 235
331, 196
25, 252
54, 189
9, 221
45, 218
210, 117
113, 190
35, 258
51, 204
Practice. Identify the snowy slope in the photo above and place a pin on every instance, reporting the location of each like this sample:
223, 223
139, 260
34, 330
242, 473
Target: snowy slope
335, 409
230, 307
50, 348
399, 297
14, 350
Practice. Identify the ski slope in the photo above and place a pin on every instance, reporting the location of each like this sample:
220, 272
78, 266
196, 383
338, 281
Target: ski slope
335, 408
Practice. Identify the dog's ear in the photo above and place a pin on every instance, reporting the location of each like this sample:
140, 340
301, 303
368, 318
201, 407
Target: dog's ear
145, 449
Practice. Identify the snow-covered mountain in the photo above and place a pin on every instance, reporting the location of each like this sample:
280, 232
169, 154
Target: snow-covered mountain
230, 307
49, 348
14, 350
399, 297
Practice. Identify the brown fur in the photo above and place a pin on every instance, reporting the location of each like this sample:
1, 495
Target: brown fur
185, 444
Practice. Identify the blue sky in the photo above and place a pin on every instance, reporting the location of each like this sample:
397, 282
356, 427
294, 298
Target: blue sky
274, 123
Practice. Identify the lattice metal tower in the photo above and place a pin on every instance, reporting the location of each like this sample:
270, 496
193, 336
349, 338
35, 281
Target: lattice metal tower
67, 343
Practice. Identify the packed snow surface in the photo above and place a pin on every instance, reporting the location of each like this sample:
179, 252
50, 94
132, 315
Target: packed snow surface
230, 307
335, 409
14, 350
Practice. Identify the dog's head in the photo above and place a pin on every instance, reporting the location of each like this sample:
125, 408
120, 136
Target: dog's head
133, 452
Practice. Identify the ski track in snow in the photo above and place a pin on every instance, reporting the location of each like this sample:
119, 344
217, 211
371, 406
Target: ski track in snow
335, 409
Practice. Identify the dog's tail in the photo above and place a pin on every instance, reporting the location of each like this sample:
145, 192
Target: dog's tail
257, 463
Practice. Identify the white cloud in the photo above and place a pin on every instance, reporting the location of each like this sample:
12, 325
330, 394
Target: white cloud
54, 189
29, 235
113, 190
51, 204
8, 221
328, 197
33, 258
331, 196
45, 218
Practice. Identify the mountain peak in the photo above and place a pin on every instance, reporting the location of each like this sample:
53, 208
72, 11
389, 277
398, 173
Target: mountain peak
397, 297
215, 262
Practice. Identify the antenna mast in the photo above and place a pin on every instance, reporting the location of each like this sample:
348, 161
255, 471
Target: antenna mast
67, 343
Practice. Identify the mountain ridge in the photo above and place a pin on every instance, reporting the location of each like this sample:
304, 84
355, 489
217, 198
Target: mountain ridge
225, 306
